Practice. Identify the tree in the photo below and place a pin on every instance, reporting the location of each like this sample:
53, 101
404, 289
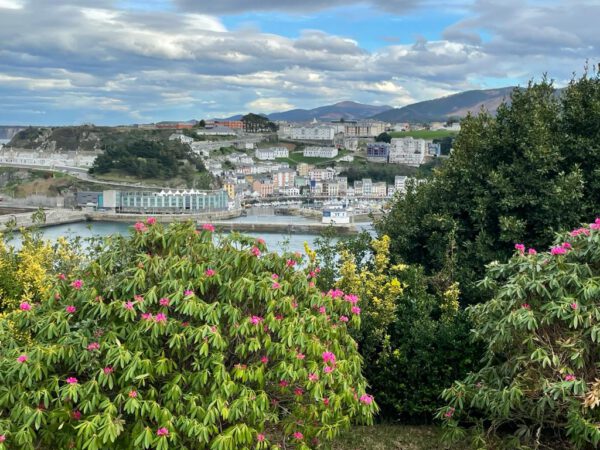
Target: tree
384, 137
169, 338
520, 176
202, 123
540, 378
255, 123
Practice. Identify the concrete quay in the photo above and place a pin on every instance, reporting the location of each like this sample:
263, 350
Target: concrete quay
53, 217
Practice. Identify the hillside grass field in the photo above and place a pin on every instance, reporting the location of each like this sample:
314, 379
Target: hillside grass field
424, 134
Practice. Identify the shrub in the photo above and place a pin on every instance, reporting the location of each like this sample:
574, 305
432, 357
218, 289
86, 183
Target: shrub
413, 341
540, 377
170, 338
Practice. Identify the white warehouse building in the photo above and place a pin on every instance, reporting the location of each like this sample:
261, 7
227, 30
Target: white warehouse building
320, 152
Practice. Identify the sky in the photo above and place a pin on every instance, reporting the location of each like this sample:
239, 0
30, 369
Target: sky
108, 62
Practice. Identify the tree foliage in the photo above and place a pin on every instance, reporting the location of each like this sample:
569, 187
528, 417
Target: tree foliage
520, 176
540, 378
169, 338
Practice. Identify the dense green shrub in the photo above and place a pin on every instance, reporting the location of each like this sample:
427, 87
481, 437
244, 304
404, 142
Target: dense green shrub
413, 337
541, 379
522, 175
170, 338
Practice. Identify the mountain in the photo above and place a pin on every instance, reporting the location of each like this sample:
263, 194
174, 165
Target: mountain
347, 110
441, 109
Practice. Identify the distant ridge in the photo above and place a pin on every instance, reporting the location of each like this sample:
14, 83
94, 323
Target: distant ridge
441, 109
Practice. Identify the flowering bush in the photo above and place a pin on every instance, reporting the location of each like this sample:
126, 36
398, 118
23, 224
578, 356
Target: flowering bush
541, 330
170, 338
413, 341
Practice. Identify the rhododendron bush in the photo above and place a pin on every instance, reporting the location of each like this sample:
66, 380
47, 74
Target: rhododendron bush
173, 338
540, 379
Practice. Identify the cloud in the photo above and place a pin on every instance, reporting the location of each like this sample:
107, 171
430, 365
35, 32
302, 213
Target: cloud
117, 63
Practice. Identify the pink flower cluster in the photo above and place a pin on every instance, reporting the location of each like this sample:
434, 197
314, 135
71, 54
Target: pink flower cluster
71, 380
351, 298
208, 227
70, 309
596, 224
525, 306
313, 377
298, 435
25, 306
151, 220
210, 272
344, 319
164, 301
162, 432
560, 249
255, 251
290, 263
255, 320
570, 377
366, 399
23, 358
521, 249
188, 292
355, 310
128, 305
140, 227
579, 231
275, 285
329, 360
77, 284
335, 293
133, 394
93, 346
108, 370
449, 413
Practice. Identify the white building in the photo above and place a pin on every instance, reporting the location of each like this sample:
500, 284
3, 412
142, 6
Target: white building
408, 151
320, 152
364, 128
216, 131
269, 154
50, 160
322, 174
291, 191
181, 138
315, 133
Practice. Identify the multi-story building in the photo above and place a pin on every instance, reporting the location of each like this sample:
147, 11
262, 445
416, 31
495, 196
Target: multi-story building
301, 181
342, 183
320, 152
283, 178
408, 151
434, 149
266, 154
364, 128
332, 189
322, 174
263, 186
181, 138
358, 187
304, 168
378, 152
314, 133
165, 201
233, 124
400, 183
379, 189
291, 191
367, 184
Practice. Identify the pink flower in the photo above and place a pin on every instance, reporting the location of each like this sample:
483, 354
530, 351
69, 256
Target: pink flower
132, 394
25, 306
311, 274
313, 377
22, 358
188, 293
311, 284
57, 296
279, 317
71, 380
260, 241
93, 346
532, 251
108, 370
264, 360
449, 413
326, 401
574, 305
366, 399
298, 392
525, 306
61, 276
351, 298
164, 301
558, 250
355, 310
328, 369
275, 276
70, 309
579, 231
335, 293
328, 357
160, 318
570, 377
2, 437
255, 251
147, 316
209, 272
138, 298
139, 227
128, 305
283, 383
260, 437
162, 432
151, 220
298, 435
343, 319
322, 310
520, 248
567, 245
290, 263
255, 320
208, 227
294, 305
595, 226
76, 415
275, 285
300, 356
77, 284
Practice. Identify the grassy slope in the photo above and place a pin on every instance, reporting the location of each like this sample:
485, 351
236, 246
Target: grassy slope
394, 437
424, 134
